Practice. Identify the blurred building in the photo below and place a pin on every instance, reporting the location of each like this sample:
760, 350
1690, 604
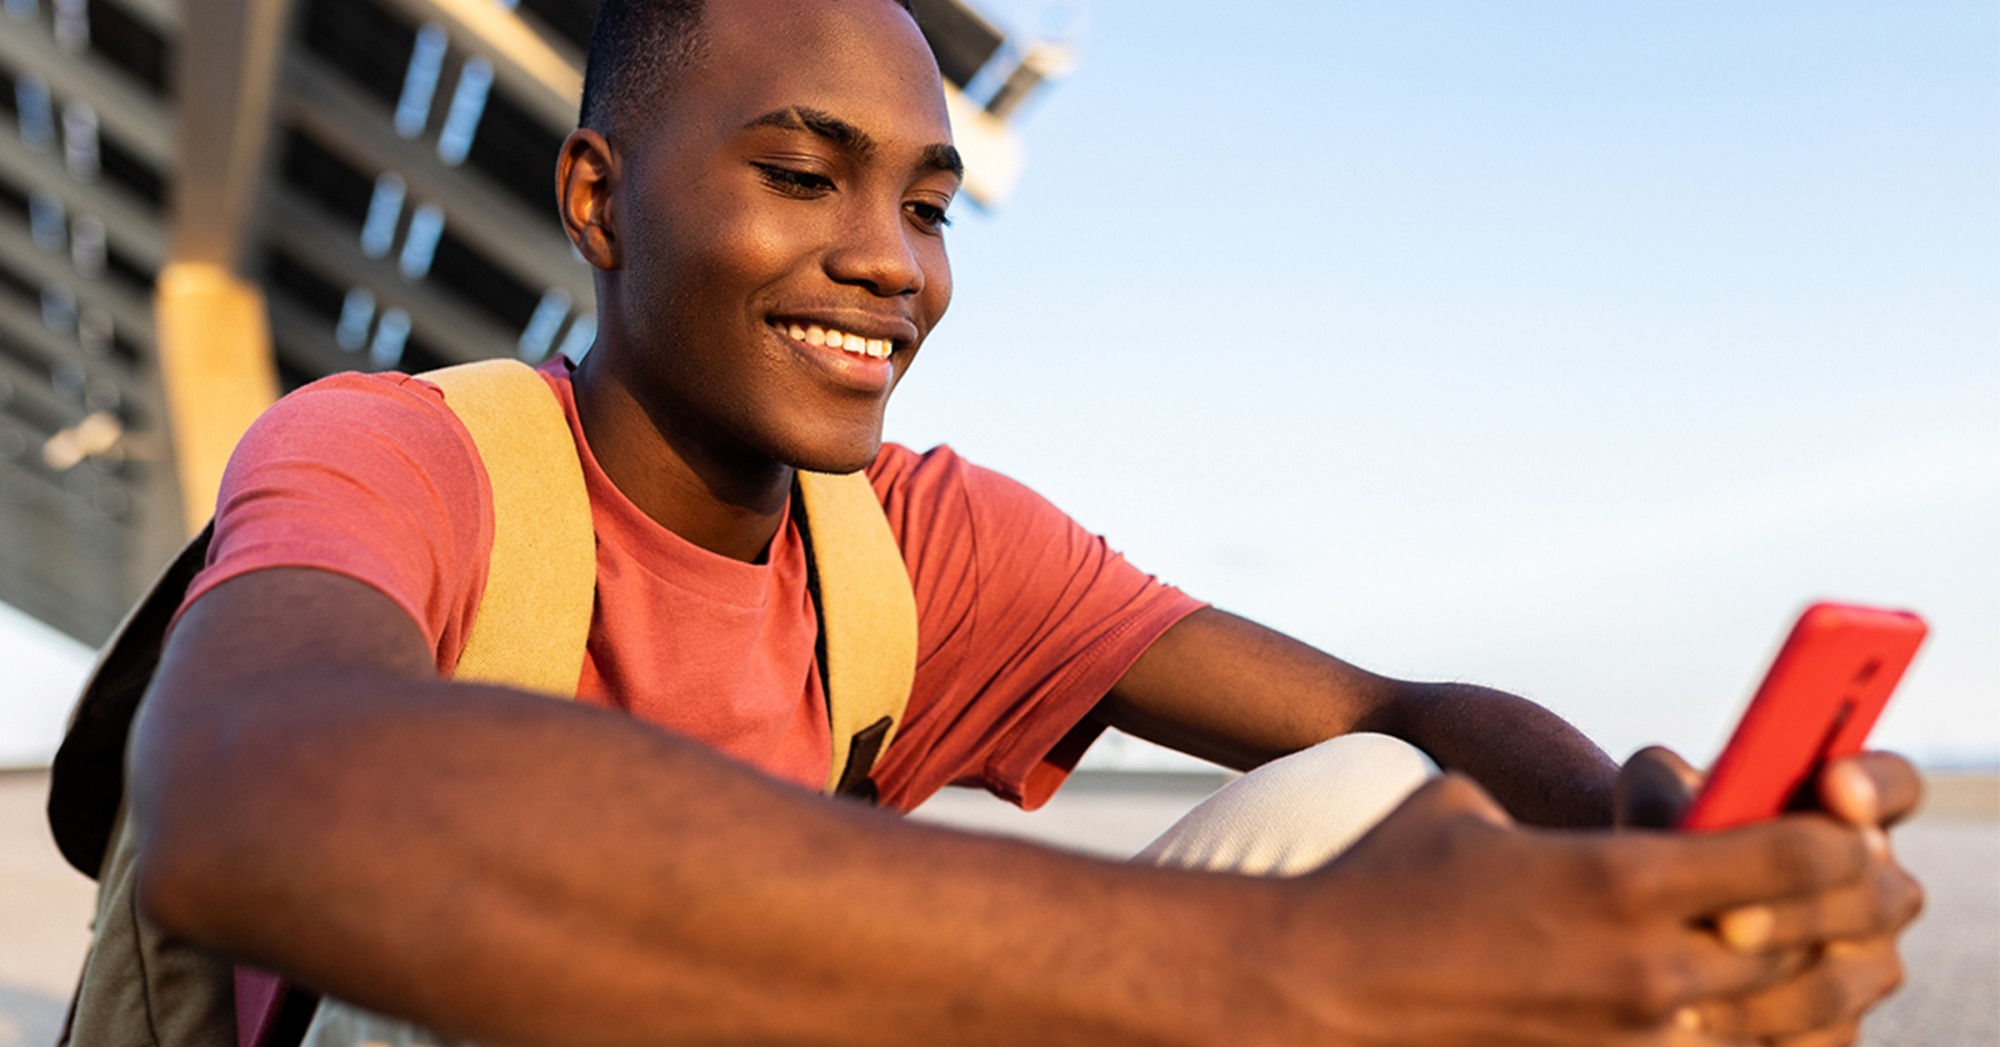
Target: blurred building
205, 202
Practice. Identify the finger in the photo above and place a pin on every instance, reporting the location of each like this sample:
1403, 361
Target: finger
1689, 1028
1704, 969
1829, 996
1840, 1036
1654, 786
1871, 789
1879, 905
1697, 875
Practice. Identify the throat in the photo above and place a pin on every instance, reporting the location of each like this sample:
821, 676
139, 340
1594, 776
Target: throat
731, 505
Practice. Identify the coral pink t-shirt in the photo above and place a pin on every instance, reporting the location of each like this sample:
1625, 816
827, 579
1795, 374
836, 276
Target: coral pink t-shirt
1025, 620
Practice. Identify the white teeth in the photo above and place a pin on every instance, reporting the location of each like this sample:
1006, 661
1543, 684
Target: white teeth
833, 338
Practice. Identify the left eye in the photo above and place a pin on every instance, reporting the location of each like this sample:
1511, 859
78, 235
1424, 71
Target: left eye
931, 215
795, 182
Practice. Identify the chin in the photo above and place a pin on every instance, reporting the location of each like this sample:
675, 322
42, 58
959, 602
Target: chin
851, 459
833, 445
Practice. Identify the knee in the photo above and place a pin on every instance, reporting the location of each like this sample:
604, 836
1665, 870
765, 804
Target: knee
1371, 756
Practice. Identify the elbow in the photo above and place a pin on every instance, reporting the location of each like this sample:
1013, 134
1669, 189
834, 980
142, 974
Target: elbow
168, 890
177, 872
178, 827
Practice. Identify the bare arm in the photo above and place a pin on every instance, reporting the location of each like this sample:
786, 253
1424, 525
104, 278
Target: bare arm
333, 810
524, 871
1229, 690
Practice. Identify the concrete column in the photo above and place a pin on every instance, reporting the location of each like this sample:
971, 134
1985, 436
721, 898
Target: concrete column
213, 327
216, 371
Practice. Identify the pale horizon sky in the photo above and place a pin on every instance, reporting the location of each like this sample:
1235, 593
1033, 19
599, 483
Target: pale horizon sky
1565, 347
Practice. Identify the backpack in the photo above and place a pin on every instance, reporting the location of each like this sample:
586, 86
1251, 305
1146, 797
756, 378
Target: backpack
141, 986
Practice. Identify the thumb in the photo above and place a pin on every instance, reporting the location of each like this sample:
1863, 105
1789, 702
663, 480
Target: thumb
1654, 786
1871, 789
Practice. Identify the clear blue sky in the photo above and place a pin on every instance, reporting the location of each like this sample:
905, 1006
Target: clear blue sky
1565, 346
1569, 347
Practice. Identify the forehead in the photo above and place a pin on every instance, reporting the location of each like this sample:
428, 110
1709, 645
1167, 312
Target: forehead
863, 61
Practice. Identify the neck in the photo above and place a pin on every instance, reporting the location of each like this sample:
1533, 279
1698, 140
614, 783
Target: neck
728, 504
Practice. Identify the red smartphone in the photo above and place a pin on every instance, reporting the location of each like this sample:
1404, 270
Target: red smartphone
1821, 696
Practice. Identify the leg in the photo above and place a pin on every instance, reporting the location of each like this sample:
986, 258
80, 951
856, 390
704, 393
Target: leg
1294, 814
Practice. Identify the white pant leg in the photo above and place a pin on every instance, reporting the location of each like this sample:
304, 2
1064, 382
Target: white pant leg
1294, 814
340, 1024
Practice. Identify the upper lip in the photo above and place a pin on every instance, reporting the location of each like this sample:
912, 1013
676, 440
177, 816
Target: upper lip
890, 328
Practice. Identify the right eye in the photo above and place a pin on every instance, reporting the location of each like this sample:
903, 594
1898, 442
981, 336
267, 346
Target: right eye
794, 182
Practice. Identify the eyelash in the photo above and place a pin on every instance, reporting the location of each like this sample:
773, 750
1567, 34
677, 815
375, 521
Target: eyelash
797, 183
806, 185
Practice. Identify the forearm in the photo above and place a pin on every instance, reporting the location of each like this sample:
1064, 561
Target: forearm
1230, 690
1544, 771
523, 871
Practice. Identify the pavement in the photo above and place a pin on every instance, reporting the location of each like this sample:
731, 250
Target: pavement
1951, 999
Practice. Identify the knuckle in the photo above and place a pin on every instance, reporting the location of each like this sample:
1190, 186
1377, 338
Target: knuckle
1890, 904
1895, 900
1815, 854
1794, 850
1892, 977
1828, 1000
1626, 884
1655, 988
1723, 1018
1912, 900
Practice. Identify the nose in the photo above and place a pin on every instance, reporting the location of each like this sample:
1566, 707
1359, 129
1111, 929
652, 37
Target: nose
874, 251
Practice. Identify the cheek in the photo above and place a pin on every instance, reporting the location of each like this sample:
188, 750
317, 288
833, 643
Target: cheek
748, 250
703, 265
753, 244
937, 284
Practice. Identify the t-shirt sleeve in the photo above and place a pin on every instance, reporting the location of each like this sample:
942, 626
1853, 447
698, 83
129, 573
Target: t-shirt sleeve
1025, 622
367, 476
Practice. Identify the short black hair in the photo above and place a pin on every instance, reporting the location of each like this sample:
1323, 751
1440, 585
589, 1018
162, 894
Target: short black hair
636, 49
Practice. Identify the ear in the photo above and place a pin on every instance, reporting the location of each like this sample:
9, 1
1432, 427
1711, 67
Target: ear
586, 180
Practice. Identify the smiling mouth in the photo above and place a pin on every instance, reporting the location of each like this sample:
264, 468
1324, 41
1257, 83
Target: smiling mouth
833, 338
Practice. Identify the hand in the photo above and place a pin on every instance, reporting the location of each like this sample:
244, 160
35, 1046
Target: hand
1654, 787
1448, 925
1851, 970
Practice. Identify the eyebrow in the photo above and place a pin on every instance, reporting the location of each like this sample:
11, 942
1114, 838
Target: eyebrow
940, 157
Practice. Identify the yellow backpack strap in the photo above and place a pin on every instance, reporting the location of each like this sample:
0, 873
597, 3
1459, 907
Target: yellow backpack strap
533, 619
867, 622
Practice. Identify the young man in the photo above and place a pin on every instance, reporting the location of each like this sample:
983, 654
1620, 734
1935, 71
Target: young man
761, 186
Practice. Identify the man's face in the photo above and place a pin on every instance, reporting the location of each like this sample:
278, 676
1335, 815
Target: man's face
780, 221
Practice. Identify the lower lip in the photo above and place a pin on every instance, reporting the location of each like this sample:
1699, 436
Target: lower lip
861, 373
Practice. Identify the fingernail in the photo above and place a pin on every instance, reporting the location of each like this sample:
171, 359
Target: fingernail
1688, 1019
1859, 786
1747, 929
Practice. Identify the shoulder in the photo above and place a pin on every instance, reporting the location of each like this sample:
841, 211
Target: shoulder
940, 479
375, 430
388, 402
964, 527
365, 475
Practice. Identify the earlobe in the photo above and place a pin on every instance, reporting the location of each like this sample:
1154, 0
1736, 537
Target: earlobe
586, 177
